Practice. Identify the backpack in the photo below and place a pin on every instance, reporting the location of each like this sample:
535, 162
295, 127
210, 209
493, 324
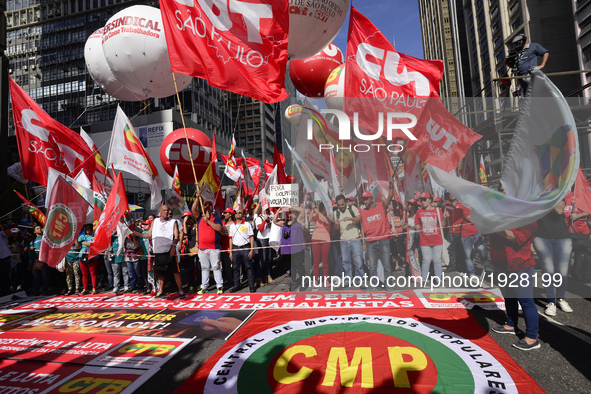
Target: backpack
335, 233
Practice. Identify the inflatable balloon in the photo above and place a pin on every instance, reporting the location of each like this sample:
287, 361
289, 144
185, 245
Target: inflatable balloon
101, 73
174, 152
334, 90
135, 48
313, 25
309, 75
293, 113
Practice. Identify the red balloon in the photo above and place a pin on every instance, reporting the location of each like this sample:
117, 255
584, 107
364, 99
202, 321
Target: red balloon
309, 75
174, 152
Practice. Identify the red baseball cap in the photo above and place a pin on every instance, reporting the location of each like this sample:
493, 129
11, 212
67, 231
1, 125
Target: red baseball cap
147, 222
366, 194
437, 199
187, 214
412, 201
426, 195
229, 210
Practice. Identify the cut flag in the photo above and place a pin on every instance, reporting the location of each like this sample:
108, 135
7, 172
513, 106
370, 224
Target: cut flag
45, 143
237, 46
113, 212
127, 153
65, 219
540, 168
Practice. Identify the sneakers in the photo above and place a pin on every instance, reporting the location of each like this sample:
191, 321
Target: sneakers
522, 345
115, 290
201, 291
503, 330
564, 306
220, 291
550, 309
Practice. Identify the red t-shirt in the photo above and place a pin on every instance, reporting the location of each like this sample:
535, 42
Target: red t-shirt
430, 235
208, 237
579, 225
455, 218
375, 223
511, 256
468, 229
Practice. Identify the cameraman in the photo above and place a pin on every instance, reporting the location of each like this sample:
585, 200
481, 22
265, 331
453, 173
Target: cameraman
524, 57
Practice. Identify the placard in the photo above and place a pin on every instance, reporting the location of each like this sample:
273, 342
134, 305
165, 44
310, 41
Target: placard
285, 195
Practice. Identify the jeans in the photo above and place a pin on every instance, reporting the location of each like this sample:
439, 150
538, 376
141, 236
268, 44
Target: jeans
335, 252
431, 253
351, 251
109, 269
210, 258
523, 296
454, 239
264, 257
240, 256
379, 249
120, 269
469, 243
555, 258
131, 271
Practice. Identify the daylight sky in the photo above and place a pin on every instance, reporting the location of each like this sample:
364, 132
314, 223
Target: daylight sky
394, 18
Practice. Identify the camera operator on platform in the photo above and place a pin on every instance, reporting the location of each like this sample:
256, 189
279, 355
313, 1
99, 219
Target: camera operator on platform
523, 58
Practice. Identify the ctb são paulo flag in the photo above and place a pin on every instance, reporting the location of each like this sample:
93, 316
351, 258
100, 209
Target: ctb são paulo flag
65, 219
239, 46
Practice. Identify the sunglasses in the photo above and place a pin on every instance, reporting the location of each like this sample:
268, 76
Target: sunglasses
239, 213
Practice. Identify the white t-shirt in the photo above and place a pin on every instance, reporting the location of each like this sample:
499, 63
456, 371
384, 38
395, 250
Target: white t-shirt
240, 234
267, 231
162, 235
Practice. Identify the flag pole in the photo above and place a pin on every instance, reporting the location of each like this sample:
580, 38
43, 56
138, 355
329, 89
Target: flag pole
187, 139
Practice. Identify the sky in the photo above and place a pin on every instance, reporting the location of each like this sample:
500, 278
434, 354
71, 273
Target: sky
394, 18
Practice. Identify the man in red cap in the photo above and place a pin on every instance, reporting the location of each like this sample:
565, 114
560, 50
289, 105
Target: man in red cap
377, 233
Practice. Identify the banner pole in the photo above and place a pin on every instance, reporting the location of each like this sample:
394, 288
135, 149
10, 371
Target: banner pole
187, 139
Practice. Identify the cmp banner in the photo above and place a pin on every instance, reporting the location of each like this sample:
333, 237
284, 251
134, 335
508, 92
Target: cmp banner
418, 350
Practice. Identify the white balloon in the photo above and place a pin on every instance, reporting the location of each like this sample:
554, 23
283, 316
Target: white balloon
135, 48
334, 90
101, 73
293, 113
314, 25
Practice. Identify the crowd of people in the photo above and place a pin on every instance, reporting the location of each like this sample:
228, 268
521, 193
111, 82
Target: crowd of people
353, 238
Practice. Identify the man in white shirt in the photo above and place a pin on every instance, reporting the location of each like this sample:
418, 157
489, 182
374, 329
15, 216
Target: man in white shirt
241, 249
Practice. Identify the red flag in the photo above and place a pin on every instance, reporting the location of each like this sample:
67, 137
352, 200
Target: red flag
238, 46
65, 219
45, 143
442, 140
100, 201
176, 182
281, 177
114, 210
378, 79
102, 175
36, 212
582, 193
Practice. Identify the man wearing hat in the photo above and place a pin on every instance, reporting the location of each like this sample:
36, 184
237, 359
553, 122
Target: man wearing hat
526, 58
377, 232
209, 228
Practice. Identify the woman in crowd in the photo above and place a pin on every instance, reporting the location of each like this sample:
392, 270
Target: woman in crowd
189, 235
119, 267
429, 222
132, 257
320, 240
292, 248
73, 274
262, 221
87, 266
40, 270
412, 237
554, 246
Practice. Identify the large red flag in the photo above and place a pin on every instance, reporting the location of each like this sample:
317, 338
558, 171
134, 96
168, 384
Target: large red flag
65, 219
442, 140
114, 210
45, 143
582, 193
240, 46
33, 209
378, 79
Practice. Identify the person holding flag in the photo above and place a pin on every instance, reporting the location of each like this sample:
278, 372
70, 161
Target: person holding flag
376, 242
40, 270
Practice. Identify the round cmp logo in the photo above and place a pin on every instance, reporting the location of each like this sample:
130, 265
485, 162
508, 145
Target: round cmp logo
62, 224
362, 352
